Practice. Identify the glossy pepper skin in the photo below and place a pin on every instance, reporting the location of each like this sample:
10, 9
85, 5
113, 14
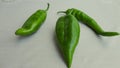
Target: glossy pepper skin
33, 23
89, 21
67, 32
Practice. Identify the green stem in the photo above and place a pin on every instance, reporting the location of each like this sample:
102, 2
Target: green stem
61, 12
48, 5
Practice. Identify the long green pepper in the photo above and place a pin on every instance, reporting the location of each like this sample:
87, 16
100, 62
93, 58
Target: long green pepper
33, 23
67, 32
90, 22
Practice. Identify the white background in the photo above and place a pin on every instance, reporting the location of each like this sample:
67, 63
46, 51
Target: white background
40, 51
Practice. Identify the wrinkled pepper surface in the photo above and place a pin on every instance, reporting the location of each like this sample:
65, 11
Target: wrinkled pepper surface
67, 32
33, 23
89, 21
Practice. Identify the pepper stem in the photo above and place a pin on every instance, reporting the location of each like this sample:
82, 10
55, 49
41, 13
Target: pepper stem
48, 5
61, 12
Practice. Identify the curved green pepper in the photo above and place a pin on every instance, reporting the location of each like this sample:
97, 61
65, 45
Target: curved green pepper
90, 22
67, 31
33, 23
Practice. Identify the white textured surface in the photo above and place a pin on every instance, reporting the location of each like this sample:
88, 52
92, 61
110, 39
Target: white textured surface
39, 50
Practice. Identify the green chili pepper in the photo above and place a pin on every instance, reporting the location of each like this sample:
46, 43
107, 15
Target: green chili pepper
90, 22
33, 23
67, 32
